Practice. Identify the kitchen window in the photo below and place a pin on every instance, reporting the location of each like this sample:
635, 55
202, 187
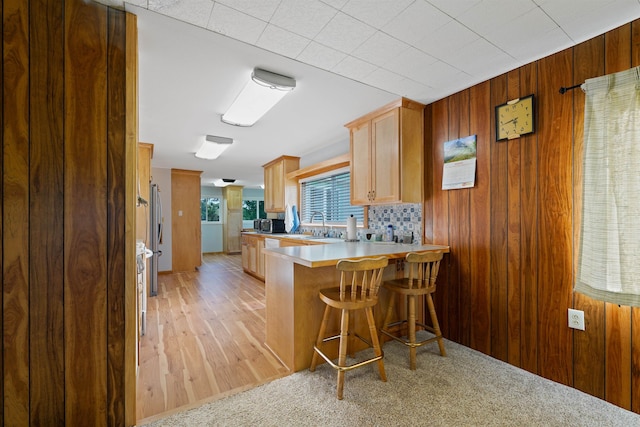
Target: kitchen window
330, 195
253, 209
210, 209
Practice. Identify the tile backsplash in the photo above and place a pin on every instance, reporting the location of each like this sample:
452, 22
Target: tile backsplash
405, 218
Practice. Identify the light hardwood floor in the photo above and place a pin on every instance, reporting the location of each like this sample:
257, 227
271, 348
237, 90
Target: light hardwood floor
204, 338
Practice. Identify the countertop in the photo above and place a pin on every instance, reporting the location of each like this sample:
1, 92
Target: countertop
326, 255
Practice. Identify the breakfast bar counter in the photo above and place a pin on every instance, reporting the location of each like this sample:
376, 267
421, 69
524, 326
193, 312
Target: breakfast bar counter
293, 277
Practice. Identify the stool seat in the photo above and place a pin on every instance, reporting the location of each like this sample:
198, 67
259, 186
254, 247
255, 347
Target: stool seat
359, 285
421, 282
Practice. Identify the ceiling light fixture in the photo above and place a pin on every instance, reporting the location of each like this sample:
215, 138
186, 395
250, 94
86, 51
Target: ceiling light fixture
262, 92
223, 182
213, 146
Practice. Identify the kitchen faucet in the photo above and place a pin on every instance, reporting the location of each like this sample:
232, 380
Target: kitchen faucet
321, 216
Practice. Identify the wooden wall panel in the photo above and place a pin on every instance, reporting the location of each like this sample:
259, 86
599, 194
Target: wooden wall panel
514, 265
131, 293
116, 213
524, 224
618, 319
588, 345
498, 226
15, 262
456, 224
554, 218
635, 311
440, 134
85, 196
480, 234
529, 233
46, 217
2, 133
463, 235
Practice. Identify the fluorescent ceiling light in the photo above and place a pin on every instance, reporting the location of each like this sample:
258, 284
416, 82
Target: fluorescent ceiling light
213, 146
262, 92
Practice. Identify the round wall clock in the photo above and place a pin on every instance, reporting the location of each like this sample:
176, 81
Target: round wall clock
515, 118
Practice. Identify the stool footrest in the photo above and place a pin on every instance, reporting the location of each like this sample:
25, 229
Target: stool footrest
405, 341
348, 367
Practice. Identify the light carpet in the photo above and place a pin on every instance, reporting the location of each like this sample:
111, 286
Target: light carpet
466, 388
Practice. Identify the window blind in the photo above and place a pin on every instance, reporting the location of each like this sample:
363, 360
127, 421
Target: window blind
330, 195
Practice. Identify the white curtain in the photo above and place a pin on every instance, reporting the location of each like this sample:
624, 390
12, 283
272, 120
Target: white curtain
609, 260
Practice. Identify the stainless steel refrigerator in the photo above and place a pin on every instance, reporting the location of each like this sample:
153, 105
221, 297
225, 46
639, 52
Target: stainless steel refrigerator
155, 237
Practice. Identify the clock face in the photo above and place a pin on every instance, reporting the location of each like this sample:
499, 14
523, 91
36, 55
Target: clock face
515, 118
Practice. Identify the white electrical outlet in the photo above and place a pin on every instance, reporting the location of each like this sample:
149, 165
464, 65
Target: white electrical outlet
576, 319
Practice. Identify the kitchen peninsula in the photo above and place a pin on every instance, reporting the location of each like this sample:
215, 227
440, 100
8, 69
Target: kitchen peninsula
293, 277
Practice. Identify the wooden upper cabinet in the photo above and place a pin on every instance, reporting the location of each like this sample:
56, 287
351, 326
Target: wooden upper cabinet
386, 155
278, 190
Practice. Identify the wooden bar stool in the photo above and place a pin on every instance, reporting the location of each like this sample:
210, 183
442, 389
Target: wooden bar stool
421, 281
359, 285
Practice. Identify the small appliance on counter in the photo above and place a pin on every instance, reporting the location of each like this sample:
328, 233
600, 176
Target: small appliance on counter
257, 224
272, 226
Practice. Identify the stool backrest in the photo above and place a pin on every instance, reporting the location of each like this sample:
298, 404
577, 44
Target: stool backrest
423, 269
360, 279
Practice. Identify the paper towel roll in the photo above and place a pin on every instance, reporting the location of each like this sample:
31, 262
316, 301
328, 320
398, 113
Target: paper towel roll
352, 233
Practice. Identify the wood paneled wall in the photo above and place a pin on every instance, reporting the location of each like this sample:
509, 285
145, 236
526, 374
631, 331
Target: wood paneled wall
514, 236
68, 214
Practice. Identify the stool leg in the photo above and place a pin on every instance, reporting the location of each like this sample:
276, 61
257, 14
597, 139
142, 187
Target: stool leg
342, 352
387, 317
376, 344
323, 328
411, 303
436, 326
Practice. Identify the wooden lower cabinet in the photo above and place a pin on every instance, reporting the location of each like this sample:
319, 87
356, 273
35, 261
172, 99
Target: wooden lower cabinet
253, 255
253, 259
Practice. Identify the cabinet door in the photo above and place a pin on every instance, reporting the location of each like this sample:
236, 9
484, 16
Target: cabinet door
360, 164
245, 254
260, 258
274, 187
233, 231
385, 142
253, 264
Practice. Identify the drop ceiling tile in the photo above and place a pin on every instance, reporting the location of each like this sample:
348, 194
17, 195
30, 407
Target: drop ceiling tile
447, 40
354, 68
380, 49
281, 41
583, 20
197, 12
321, 56
303, 17
263, 9
344, 33
411, 63
551, 42
455, 8
336, 4
375, 12
237, 25
532, 35
416, 22
486, 16
384, 79
438, 74
481, 58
